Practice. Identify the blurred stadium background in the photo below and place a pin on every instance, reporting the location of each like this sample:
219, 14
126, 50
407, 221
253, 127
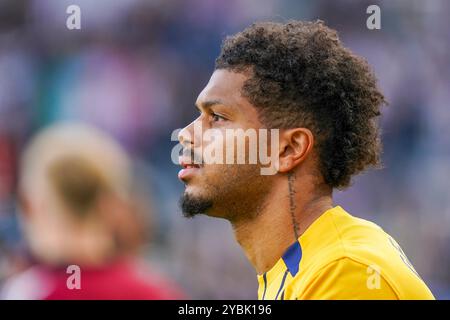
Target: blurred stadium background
135, 69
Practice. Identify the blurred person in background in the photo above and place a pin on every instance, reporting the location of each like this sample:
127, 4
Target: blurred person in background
78, 208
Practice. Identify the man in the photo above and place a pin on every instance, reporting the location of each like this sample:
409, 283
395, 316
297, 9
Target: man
78, 210
296, 78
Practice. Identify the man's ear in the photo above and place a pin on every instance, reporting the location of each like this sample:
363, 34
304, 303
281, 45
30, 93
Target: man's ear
295, 145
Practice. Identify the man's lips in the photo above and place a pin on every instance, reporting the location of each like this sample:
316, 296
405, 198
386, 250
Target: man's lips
189, 169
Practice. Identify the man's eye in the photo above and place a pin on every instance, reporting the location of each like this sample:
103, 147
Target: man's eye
217, 117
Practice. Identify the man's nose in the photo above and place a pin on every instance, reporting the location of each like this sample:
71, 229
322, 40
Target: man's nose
185, 136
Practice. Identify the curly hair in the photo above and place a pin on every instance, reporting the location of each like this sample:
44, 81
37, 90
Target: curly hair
302, 76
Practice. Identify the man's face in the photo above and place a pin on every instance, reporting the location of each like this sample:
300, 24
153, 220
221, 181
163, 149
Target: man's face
226, 190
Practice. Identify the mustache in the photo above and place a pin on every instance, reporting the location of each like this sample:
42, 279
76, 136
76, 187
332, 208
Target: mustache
194, 157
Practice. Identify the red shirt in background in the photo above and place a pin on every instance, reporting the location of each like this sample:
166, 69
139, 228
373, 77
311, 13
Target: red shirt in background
125, 279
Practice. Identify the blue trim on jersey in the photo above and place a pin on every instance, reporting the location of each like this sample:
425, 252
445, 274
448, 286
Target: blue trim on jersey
292, 258
282, 285
265, 286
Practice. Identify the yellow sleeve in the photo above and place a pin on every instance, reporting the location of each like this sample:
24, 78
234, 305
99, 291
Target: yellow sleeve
347, 279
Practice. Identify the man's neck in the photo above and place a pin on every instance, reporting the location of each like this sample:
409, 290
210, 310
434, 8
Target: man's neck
288, 211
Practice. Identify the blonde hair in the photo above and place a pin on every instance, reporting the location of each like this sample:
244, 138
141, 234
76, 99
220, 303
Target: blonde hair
77, 162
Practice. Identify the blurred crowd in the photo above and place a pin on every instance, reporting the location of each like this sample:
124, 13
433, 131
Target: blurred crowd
134, 71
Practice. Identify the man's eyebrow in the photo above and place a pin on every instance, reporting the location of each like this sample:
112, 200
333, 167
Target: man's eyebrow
208, 104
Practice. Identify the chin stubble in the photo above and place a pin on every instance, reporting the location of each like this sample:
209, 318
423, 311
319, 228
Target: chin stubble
191, 205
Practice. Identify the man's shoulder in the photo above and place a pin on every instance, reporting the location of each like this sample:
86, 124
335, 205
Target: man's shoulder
357, 249
341, 235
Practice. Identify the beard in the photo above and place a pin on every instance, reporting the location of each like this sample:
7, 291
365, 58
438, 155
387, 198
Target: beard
194, 205
231, 192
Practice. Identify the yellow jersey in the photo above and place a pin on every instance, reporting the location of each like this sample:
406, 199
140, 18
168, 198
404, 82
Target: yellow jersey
342, 257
